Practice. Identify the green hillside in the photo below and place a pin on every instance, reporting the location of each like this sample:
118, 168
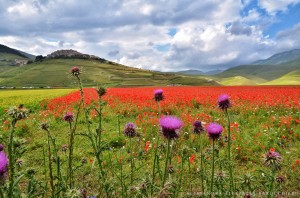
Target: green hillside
240, 80
292, 78
267, 72
55, 73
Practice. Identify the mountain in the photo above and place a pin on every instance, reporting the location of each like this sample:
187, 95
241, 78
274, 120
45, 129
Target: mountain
10, 58
7, 50
280, 58
53, 71
198, 72
267, 72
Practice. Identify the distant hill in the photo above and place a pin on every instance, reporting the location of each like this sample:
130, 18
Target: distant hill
54, 72
8, 50
198, 72
10, 58
72, 54
267, 72
279, 58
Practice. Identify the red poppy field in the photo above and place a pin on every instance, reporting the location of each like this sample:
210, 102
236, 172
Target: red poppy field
82, 143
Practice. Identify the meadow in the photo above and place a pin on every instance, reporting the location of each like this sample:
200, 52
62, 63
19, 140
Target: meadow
114, 142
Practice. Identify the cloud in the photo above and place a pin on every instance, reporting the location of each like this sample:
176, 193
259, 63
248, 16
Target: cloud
272, 7
289, 39
237, 28
152, 34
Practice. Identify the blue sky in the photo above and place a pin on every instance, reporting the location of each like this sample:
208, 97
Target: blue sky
166, 35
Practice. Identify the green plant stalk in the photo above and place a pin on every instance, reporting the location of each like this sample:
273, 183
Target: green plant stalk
1, 192
201, 164
11, 164
50, 165
156, 157
131, 162
99, 121
91, 135
212, 170
180, 177
57, 164
272, 184
229, 152
122, 185
70, 161
166, 165
119, 125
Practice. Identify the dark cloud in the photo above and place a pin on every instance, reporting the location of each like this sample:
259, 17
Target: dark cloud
237, 28
113, 53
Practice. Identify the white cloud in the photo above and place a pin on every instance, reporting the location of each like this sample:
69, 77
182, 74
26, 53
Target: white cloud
136, 33
274, 6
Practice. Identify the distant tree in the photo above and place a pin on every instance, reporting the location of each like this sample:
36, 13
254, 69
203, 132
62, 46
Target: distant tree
39, 58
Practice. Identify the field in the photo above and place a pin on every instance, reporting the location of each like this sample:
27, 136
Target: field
109, 160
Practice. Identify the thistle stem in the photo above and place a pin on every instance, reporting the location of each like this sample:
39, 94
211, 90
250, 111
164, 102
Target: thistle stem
11, 164
201, 164
166, 165
229, 152
212, 170
131, 162
50, 164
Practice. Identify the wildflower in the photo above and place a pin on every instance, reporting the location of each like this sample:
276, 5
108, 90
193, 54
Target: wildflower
129, 130
224, 102
273, 159
198, 128
158, 95
45, 126
18, 113
192, 158
280, 179
83, 191
83, 161
19, 162
101, 91
214, 130
1, 147
171, 169
3, 166
170, 126
64, 148
68, 117
147, 146
75, 71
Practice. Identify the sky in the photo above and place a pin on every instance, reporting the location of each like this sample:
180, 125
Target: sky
162, 35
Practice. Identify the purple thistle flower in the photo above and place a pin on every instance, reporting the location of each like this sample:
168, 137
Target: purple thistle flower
3, 166
75, 71
129, 130
198, 128
214, 130
273, 159
170, 126
224, 102
158, 95
68, 117
1, 147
